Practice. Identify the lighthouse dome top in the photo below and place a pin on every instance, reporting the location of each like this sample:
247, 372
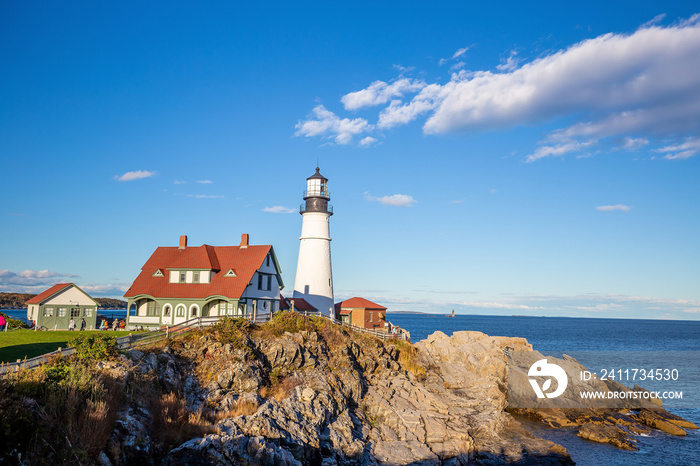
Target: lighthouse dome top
317, 176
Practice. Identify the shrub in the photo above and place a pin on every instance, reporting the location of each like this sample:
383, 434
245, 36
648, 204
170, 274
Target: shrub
13, 324
231, 330
94, 346
288, 321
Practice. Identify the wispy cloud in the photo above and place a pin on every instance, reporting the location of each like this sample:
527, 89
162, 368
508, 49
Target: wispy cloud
32, 281
509, 64
204, 182
455, 55
612, 208
633, 144
205, 196
179, 182
116, 290
135, 175
328, 125
396, 200
380, 92
683, 150
278, 209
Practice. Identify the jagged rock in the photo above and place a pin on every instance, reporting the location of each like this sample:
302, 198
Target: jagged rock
613, 435
353, 403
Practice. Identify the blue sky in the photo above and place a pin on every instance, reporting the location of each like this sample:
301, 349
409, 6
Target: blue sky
508, 158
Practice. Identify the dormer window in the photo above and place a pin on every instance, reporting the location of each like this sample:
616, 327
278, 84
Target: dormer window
158, 273
195, 277
183, 276
230, 273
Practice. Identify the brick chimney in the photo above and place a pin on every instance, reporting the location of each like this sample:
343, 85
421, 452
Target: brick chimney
183, 242
245, 238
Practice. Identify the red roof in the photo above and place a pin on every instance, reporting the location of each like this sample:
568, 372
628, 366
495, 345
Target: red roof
284, 303
359, 303
300, 304
245, 261
38, 299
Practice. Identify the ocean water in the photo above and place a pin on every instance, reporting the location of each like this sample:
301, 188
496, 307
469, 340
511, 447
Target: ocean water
556, 335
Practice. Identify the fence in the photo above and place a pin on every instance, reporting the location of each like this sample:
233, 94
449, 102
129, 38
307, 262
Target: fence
146, 338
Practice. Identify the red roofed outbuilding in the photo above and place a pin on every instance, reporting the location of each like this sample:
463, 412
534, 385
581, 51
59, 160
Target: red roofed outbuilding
179, 283
54, 308
361, 312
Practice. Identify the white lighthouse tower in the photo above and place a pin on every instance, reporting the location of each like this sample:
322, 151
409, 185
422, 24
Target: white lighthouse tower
314, 279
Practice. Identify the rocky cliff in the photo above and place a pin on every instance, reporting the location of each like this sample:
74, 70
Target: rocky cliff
304, 391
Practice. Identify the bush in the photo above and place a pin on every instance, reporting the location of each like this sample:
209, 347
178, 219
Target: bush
13, 324
231, 330
289, 321
94, 346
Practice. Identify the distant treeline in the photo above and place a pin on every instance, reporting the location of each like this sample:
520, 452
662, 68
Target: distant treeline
19, 300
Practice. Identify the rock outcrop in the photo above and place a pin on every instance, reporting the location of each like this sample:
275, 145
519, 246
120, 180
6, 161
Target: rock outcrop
327, 397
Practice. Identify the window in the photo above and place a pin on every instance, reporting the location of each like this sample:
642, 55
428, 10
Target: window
264, 282
264, 305
48, 311
75, 312
61, 312
195, 277
166, 310
88, 312
180, 311
152, 309
267, 261
182, 277
193, 311
371, 316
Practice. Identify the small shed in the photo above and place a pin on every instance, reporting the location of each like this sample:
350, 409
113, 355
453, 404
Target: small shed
54, 308
362, 312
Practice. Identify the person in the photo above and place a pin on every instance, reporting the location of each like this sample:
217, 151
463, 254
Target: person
2, 323
71, 324
82, 325
115, 322
103, 325
122, 324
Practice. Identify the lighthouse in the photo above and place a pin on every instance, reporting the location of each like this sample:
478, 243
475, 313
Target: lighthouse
314, 279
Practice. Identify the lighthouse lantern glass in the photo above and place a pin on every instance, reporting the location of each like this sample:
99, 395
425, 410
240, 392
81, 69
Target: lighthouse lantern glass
313, 187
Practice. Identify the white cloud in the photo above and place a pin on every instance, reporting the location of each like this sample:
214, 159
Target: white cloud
683, 150
204, 182
278, 209
611, 208
368, 141
654, 21
510, 63
179, 182
205, 196
136, 175
116, 290
327, 124
639, 88
634, 143
32, 281
396, 200
380, 92
558, 150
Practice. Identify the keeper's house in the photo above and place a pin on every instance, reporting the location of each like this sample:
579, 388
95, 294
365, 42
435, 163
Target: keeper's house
179, 283
54, 308
362, 312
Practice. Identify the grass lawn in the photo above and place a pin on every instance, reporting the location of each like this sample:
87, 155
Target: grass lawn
19, 344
